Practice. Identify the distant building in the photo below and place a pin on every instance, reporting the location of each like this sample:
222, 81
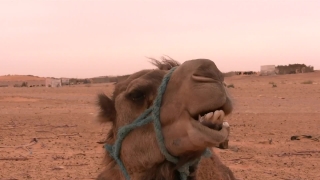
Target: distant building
266, 70
50, 82
65, 81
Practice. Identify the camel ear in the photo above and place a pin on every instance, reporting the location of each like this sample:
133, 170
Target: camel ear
107, 109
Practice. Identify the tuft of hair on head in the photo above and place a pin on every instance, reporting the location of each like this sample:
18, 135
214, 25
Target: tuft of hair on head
165, 62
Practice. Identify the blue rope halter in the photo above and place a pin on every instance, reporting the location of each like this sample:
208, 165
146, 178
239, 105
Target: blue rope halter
143, 119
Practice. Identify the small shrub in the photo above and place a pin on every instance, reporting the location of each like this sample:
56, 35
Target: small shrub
230, 86
273, 84
24, 84
307, 82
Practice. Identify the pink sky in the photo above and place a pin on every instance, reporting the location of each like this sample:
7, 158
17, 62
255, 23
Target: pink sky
78, 38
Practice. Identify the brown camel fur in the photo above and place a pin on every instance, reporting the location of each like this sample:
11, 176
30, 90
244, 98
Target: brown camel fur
195, 88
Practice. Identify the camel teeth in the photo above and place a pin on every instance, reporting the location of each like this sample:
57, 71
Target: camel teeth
200, 119
225, 124
218, 116
222, 115
215, 117
208, 116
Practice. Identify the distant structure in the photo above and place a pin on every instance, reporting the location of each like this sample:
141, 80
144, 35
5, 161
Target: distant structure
65, 81
267, 70
294, 69
51, 82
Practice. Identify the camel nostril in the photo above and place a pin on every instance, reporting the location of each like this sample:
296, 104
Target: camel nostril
201, 78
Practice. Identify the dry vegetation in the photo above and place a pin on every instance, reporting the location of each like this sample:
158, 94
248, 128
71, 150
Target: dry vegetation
50, 133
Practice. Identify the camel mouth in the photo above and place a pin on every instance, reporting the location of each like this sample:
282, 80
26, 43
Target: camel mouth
209, 128
211, 119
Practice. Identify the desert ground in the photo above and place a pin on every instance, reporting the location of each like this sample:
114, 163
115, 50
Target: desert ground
62, 121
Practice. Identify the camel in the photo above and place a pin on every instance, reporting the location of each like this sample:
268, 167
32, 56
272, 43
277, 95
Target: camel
191, 118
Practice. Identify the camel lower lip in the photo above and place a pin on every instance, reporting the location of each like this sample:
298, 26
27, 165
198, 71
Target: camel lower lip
202, 135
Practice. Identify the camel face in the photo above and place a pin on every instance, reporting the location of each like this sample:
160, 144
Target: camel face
191, 114
193, 107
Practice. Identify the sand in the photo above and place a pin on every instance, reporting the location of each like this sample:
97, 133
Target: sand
63, 122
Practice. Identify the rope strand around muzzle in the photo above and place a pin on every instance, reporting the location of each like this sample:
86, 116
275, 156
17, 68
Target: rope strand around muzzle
143, 119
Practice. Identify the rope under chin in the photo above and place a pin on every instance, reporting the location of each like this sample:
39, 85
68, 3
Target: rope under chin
143, 119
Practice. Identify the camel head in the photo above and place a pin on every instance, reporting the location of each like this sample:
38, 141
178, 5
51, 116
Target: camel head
194, 106
192, 111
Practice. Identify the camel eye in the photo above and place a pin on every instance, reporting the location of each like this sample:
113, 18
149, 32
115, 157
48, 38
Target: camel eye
137, 95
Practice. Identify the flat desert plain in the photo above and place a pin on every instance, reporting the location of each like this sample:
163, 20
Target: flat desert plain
62, 120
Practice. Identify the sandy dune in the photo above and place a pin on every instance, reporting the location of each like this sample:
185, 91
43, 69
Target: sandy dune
62, 121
